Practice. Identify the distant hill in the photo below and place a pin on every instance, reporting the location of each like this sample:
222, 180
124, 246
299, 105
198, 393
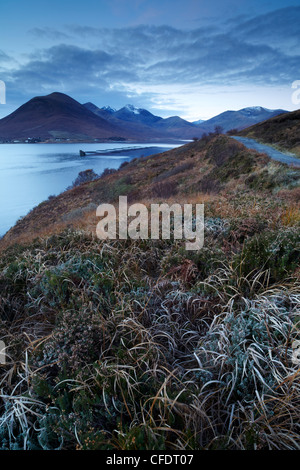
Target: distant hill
239, 119
199, 121
174, 122
176, 126
56, 116
282, 131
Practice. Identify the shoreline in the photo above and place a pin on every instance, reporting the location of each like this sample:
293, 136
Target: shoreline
131, 142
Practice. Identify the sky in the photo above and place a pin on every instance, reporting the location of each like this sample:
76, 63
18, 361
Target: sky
191, 58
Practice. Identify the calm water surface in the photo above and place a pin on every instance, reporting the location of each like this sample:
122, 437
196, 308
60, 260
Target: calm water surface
30, 173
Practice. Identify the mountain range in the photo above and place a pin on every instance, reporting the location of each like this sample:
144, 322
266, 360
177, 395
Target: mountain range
59, 117
177, 126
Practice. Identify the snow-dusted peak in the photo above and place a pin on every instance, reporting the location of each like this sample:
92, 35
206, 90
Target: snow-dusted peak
133, 109
255, 110
109, 109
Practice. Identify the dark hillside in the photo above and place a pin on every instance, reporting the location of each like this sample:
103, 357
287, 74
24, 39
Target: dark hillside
282, 131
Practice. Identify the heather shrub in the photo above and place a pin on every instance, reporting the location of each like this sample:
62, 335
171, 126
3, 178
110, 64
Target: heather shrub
124, 164
245, 228
109, 171
75, 214
84, 177
78, 339
209, 185
277, 252
272, 177
175, 171
222, 149
164, 189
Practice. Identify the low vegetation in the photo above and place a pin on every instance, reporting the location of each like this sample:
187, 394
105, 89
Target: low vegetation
281, 131
140, 344
84, 177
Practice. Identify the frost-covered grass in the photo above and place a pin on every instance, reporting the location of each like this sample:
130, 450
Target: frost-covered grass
143, 345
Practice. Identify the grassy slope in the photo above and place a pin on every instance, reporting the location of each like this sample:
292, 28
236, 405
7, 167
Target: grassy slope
282, 131
142, 344
218, 166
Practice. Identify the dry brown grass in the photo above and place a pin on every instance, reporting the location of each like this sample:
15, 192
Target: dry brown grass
291, 215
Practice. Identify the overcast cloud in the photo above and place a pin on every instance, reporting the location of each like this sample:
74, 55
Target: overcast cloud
142, 62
